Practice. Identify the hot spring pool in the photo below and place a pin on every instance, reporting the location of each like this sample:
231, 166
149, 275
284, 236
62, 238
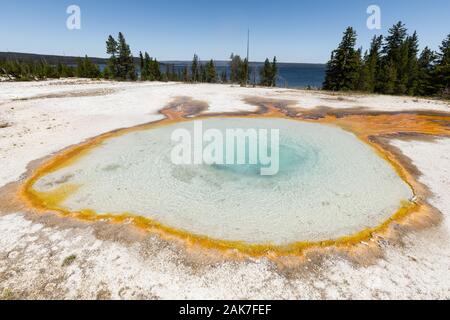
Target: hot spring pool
330, 184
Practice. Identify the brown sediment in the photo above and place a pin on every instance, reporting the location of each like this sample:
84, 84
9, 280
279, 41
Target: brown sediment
182, 107
375, 128
4, 125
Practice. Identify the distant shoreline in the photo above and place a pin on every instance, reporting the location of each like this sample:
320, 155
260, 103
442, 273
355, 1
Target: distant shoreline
290, 75
23, 56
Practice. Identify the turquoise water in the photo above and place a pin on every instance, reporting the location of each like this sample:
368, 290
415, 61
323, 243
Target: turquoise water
290, 160
329, 185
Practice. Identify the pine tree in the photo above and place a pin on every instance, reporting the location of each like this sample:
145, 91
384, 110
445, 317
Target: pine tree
425, 86
401, 84
330, 73
343, 68
36, 70
145, 67
394, 42
153, 69
407, 67
150, 69
111, 49
393, 77
125, 60
107, 74
274, 72
156, 70
141, 64
87, 69
62, 70
235, 68
195, 69
202, 73
269, 72
211, 75
92, 70
239, 70
412, 64
363, 79
361, 82
244, 72
266, 74
443, 68
372, 65
81, 69
390, 76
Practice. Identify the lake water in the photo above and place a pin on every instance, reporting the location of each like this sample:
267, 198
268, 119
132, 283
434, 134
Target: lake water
290, 75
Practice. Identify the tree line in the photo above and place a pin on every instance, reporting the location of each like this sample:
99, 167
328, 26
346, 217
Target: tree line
40, 70
121, 66
392, 65
197, 71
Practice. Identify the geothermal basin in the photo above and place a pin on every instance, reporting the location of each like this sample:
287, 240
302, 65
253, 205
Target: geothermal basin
329, 185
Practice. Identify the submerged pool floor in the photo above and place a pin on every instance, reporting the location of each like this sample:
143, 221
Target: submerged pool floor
330, 185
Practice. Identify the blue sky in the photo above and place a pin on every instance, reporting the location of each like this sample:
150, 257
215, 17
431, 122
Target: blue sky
293, 30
